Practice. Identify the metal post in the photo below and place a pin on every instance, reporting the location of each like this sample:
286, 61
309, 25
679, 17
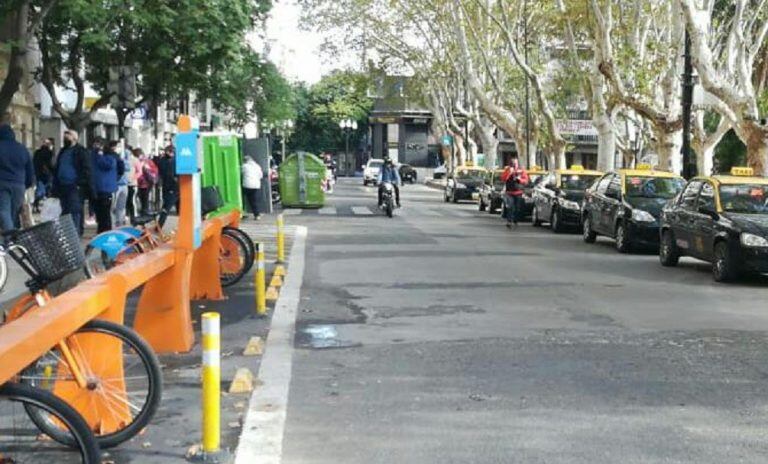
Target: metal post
261, 285
527, 90
280, 239
689, 161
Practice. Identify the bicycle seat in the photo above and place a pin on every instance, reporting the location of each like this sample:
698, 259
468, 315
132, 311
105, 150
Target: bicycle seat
143, 219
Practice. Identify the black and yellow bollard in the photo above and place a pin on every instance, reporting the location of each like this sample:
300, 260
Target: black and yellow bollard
261, 284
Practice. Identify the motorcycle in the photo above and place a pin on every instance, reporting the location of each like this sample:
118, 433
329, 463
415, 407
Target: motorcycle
388, 198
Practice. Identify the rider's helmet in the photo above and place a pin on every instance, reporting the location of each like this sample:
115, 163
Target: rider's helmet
387, 161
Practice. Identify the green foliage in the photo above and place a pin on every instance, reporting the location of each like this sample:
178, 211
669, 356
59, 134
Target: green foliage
319, 109
730, 152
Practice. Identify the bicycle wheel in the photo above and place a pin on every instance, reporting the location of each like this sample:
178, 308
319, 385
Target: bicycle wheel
248, 241
97, 261
233, 259
119, 399
19, 442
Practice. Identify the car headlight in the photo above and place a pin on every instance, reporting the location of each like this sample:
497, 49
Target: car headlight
752, 240
642, 216
568, 204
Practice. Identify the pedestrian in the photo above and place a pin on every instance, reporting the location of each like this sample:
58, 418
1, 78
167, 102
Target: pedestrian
72, 180
42, 160
120, 198
146, 179
16, 175
170, 184
131, 166
104, 186
514, 178
252, 174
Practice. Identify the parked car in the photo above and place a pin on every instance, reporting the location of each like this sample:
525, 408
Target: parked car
371, 171
491, 192
407, 173
439, 172
722, 220
626, 205
464, 184
558, 196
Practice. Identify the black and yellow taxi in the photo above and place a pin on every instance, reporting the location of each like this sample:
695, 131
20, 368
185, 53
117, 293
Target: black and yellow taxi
535, 175
491, 192
626, 205
464, 183
558, 196
721, 219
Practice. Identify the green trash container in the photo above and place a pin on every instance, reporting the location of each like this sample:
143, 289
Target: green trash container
301, 178
221, 167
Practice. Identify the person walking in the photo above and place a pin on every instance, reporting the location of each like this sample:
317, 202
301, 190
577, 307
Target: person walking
514, 178
120, 197
170, 184
42, 160
131, 166
146, 178
72, 181
105, 186
16, 175
252, 174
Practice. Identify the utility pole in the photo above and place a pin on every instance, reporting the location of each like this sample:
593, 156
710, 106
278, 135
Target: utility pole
689, 162
527, 159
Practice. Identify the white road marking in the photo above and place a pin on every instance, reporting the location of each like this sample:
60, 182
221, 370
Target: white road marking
292, 211
261, 441
361, 210
328, 211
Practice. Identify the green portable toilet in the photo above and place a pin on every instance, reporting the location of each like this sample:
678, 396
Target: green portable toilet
301, 178
221, 167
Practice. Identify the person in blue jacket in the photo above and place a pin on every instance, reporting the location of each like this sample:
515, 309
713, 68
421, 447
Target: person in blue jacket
104, 185
16, 175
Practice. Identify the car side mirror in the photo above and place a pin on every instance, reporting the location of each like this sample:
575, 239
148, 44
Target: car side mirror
709, 211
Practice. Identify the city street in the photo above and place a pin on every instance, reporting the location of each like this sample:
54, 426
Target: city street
440, 336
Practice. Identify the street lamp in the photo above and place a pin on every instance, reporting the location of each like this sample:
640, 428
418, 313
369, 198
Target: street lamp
347, 127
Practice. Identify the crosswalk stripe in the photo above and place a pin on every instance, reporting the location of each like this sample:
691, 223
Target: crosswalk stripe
292, 212
361, 210
328, 210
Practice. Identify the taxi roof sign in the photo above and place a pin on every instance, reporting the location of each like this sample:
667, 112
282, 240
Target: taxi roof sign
577, 167
644, 167
536, 168
742, 171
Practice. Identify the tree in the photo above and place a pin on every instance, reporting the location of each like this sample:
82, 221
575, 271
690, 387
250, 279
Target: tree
23, 18
726, 40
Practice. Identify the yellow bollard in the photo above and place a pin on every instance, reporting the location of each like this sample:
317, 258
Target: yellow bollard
261, 286
211, 384
280, 239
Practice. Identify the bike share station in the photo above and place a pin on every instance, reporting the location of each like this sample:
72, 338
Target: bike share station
76, 347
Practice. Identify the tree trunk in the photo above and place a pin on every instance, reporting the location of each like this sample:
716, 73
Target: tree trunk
755, 137
668, 146
705, 160
18, 39
606, 143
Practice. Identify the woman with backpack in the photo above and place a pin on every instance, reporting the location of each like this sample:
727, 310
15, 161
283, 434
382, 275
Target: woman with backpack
514, 178
147, 176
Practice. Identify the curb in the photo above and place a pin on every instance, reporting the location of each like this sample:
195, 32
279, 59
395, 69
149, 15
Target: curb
261, 439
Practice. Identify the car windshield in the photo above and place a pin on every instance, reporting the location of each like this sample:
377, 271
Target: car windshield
653, 187
469, 175
375, 164
533, 179
744, 198
576, 181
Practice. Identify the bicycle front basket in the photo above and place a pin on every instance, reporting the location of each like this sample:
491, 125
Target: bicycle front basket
53, 247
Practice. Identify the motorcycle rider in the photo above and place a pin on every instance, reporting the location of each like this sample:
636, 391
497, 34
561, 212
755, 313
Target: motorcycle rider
514, 178
389, 173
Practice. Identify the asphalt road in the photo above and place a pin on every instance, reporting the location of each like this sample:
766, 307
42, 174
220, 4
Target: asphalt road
439, 336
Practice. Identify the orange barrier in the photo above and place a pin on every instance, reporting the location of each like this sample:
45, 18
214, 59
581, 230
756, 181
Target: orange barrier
163, 315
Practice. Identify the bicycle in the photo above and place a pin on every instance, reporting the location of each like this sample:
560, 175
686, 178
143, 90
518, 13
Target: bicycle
22, 446
118, 393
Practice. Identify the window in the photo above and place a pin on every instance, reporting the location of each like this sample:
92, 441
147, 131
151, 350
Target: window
744, 198
653, 187
576, 182
688, 199
707, 196
614, 187
602, 185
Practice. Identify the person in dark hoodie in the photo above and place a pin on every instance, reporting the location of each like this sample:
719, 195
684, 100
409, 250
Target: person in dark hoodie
16, 175
105, 184
72, 179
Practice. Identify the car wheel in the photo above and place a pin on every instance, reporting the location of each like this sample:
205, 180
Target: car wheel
445, 196
623, 244
555, 222
365, 183
724, 268
492, 207
535, 217
453, 197
481, 204
589, 235
669, 254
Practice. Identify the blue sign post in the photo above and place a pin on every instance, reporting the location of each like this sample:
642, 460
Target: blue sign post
188, 170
